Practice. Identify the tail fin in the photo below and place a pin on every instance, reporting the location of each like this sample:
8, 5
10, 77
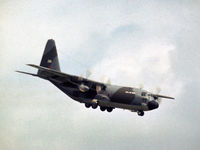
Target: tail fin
50, 57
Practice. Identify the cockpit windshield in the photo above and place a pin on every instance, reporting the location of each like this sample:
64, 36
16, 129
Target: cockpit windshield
143, 93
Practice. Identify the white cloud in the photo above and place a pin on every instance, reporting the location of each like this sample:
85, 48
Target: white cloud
131, 62
131, 42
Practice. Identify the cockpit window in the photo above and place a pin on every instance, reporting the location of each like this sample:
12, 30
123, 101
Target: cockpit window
143, 93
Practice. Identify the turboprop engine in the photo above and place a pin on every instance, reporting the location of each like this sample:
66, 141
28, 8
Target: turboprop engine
83, 88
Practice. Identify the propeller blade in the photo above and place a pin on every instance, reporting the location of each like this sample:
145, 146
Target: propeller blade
159, 100
83, 88
102, 78
109, 81
80, 78
98, 88
158, 90
88, 73
141, 86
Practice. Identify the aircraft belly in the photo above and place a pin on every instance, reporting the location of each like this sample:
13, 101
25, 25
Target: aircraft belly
123, 96
123, 106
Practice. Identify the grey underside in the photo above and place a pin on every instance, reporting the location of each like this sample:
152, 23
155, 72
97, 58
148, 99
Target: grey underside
88, 91
112, 90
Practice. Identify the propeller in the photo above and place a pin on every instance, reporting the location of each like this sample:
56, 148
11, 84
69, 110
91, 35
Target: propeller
158, 90
98, 89
109, 81
141, 86
80, 78
88, 73
83, 88
102, 78
158, 96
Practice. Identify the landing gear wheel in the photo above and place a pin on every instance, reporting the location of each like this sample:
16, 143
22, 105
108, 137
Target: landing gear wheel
140, 113
87, 105
109, 109
94, 106
102, 108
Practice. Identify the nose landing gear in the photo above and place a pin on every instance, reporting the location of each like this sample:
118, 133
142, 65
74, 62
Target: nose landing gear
102, 108
87, 105
109, 109
140, 113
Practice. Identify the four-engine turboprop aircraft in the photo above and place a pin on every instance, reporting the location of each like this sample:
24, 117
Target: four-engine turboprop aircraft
92, 93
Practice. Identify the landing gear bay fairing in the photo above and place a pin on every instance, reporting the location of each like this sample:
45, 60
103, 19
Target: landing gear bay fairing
94, 94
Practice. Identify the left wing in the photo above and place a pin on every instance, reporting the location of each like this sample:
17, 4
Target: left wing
63, 77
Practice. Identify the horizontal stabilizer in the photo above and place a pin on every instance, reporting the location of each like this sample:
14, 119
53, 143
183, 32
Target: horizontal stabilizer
27, 73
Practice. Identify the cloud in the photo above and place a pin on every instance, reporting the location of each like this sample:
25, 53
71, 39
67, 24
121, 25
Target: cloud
131, 42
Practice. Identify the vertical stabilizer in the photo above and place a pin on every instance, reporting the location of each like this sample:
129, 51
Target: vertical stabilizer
50, 57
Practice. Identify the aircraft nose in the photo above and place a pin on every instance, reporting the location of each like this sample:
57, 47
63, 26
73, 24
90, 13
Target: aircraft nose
152, 105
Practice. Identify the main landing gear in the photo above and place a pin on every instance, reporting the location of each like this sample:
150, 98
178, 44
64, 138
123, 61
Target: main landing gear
102, 108
140, 113
87, 105
95, 105
109, 109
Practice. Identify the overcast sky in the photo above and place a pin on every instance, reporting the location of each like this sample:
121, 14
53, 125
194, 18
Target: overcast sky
132, 42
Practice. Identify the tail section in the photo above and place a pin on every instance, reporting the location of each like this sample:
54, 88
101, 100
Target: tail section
50, 57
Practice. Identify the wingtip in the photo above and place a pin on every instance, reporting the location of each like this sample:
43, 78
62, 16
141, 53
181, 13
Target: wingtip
17, 71
29, 64
32, 65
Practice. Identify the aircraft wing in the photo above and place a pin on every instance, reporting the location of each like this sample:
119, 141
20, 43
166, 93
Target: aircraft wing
162, 96
63, 77
50, 71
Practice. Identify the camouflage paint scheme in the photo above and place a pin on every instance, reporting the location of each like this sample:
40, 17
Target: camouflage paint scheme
93, 93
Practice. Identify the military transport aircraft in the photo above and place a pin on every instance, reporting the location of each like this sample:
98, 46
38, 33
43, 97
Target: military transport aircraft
92, 93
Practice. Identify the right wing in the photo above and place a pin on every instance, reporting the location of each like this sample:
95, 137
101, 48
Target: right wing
162, 96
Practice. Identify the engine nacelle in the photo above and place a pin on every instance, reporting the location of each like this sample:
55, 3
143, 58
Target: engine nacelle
83, 88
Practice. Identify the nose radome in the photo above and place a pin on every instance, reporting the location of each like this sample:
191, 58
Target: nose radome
152, 105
